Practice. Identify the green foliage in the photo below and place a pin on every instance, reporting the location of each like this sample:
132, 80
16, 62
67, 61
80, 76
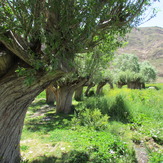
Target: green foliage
99, 102
24, 147
148, 71
127, 69
155, 157
92, 119
29, 75
76, 138
77, 156
116, 108
97, 145
51, 35
119, 110
126, 62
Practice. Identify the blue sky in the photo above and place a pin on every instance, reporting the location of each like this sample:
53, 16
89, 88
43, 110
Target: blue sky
158, 20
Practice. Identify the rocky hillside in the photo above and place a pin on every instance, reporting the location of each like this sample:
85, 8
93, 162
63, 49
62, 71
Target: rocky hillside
147, 44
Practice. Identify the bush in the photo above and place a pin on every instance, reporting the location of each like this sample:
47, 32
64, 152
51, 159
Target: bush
91, 119
99, 102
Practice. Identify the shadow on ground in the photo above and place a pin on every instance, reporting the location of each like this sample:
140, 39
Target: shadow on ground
119, 111
70, 157
48, 122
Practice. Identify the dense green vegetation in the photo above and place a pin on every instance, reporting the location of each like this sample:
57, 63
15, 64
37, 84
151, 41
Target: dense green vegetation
39, 44
113, 127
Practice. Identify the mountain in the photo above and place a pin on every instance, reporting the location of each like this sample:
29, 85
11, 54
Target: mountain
147, 44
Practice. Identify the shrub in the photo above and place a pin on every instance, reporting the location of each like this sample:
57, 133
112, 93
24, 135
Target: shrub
91, 119
99, 102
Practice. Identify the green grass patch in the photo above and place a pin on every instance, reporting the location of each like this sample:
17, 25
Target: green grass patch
103, 129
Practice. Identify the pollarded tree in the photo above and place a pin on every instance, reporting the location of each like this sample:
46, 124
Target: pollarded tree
64, 90
102, 77
38, 40
125, 67
86, 65
134, 80
148, 72
131, 72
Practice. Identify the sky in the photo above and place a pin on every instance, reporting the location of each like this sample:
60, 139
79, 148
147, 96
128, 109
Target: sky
158, 19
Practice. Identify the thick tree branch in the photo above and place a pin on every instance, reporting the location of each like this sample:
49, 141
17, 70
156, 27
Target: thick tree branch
16, 45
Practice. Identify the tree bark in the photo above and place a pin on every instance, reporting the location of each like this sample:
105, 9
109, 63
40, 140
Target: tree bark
134, 85
111, 85
120, 84
143, 85
15, 99
99, 87
64, 99
50, 96
64, 96
78, 94
88, 89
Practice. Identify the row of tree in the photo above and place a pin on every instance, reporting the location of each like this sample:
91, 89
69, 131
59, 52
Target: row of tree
39, 43
125, 70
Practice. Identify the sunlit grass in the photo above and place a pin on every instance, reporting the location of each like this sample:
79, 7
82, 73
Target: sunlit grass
134, 116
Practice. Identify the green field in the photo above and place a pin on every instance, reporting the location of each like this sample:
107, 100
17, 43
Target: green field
120, 126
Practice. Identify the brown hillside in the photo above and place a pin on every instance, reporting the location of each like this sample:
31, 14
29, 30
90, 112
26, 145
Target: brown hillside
147, 44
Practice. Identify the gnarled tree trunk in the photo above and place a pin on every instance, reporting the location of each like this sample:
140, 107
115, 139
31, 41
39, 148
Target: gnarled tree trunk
78, 94
50, 96
15, 98
64, 99
134, 85
64, 95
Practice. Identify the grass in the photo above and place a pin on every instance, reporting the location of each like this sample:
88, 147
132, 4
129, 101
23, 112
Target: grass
107, 128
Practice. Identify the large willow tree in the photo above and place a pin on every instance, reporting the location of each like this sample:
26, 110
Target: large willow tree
38, 42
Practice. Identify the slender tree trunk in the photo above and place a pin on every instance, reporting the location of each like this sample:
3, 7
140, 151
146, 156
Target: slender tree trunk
143, 85
88, 89
15, 98
99, 87
111, 85
78, 94
50, 96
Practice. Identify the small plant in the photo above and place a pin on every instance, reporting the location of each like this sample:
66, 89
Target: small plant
24, 147
136, 138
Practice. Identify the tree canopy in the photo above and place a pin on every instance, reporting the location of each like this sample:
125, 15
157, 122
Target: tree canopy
45, 35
